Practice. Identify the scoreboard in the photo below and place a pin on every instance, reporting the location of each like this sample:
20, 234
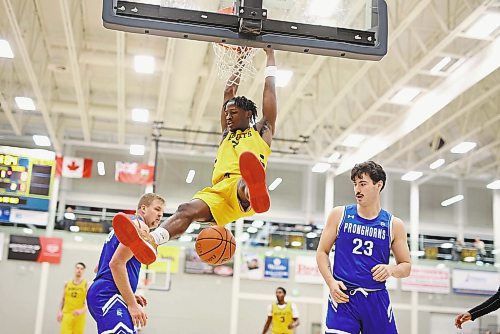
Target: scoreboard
25, 182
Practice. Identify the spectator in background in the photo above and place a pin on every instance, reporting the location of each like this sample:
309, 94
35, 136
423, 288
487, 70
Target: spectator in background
481, 251
68, 219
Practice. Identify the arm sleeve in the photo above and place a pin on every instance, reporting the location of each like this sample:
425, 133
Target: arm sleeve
488, 306
270, 310
295, 311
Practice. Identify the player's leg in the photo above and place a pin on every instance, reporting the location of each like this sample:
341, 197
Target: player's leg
377, 316
108, 309
79, 324
254, 187
142, 244
341, 318
67, 323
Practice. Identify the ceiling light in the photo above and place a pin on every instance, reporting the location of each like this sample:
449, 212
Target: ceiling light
334, 157
405, 95
484, 26
493, 185
258, 223
100, 168
5, 49
446, 245
463, 147
311, 235
283, 77
243, 237
140, 115
137, 149
25, 103
436, 164
353, 140
190, 176
41, 140
252, 229
321, 167
296, 243
469, 259
411, 176
70, 215
440, 65
275, 183
452, 200
144, 64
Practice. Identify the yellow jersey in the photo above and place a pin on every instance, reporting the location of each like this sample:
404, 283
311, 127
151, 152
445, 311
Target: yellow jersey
281, 319
74, 296
230, 149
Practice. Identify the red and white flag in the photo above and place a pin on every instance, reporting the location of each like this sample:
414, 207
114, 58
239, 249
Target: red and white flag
73, 167
132, 172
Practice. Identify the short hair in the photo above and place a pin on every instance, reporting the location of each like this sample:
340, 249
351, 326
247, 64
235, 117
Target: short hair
245, 104
82, 264
148, 198
372, 169
282, 289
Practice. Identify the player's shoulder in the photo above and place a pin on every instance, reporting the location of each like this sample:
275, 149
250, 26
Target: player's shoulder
396, 221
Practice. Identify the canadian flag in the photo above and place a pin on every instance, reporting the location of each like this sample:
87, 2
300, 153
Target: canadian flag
132, 172
73, 167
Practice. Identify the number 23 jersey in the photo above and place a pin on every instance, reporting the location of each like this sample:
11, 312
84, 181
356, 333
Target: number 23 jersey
361, 244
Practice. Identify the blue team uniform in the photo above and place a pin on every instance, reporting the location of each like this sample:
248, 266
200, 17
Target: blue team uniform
104, 301
361, 244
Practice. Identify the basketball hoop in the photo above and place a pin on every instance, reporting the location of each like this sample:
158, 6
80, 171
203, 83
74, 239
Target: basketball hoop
234, 59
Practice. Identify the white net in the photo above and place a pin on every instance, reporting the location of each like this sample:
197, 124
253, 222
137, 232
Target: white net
233, 59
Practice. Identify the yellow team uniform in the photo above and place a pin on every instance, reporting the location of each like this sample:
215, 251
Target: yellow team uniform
74, 298
281, 319
222, 196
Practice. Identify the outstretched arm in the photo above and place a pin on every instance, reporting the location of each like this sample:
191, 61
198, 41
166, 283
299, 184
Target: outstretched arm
269, 105
230, 91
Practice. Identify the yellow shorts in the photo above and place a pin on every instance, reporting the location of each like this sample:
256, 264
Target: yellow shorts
71, 324
222, 199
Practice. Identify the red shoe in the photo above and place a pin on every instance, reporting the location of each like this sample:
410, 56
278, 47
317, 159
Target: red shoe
140, 243
254, 176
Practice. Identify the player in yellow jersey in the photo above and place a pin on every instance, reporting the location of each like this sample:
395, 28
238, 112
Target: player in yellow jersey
239, 179
283, 316
72, 310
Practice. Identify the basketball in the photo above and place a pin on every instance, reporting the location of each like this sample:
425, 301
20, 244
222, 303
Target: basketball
215, 245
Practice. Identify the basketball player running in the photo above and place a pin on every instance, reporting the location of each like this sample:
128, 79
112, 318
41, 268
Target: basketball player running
238, 179
363, 235
72, 309
111, 298
284, 316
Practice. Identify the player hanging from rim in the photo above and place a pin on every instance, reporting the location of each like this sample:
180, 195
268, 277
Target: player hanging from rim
238, 180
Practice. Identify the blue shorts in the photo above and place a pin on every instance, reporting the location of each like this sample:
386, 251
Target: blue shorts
108, 309
366, 314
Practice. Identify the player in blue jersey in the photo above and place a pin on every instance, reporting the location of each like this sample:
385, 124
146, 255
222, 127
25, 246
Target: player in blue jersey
363, 234
110, 298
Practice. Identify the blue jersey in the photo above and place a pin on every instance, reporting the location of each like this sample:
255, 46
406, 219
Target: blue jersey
104, 272
361, 244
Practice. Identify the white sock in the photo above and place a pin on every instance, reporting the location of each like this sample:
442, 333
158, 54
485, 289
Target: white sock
160, 235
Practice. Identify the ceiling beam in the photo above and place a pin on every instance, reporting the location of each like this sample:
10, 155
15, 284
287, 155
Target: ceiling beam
120, 84
361, 75
469, 74
10, 116
33, 79
75, 68
166, 71
474, 104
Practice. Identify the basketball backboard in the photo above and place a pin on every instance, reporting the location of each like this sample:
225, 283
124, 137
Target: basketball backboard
341, 28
